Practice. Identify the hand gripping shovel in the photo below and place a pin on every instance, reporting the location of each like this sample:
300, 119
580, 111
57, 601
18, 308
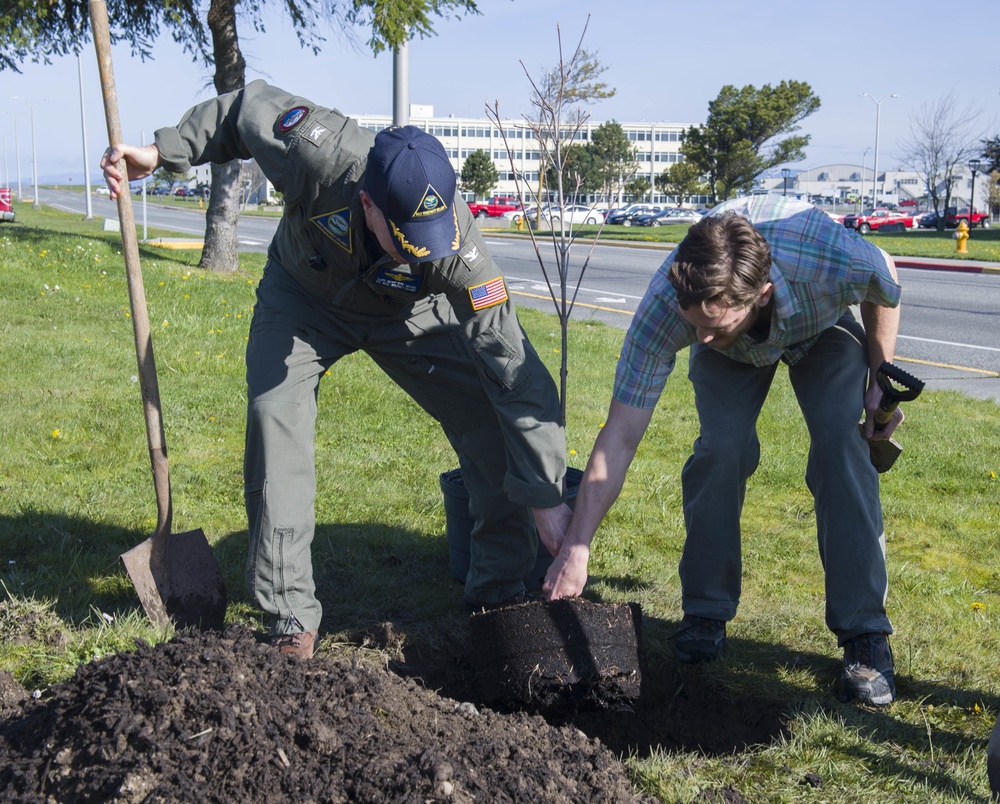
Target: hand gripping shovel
885, 451
175, 574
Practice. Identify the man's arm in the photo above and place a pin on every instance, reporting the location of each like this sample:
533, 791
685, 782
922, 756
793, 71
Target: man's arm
602, 482
881, 326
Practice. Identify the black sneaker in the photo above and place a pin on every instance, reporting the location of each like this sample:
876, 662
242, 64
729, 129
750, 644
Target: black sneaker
475, 607
868, 675
699, 639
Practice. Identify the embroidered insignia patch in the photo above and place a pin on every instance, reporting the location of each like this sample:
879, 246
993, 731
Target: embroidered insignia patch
397, 280
316, 134
337, 226
488, 294
430, 204
291, 118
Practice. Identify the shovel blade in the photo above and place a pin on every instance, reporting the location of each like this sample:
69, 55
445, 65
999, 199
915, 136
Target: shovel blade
178, 580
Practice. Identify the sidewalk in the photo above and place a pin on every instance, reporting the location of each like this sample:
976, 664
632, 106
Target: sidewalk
939, 264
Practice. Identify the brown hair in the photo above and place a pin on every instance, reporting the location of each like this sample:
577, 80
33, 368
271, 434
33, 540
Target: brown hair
722, 261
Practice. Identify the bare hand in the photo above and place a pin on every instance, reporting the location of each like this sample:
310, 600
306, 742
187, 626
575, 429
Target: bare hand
140, 162
872, 399
568, 574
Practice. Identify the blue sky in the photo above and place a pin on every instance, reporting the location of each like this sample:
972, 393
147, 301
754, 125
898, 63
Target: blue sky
666, 58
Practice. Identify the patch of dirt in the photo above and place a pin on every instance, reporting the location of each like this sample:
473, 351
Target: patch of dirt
224, 718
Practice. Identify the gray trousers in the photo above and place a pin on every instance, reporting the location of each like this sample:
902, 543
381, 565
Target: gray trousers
293, 341
829, 383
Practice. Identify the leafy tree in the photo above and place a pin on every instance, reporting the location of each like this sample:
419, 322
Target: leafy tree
681, 180
40, 31
942, 139
637, 187
614, 157
169, 178
580, 172
991, 153
741, 136
479, 174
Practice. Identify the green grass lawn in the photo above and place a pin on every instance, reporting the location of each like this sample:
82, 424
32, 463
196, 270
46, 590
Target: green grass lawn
76, 491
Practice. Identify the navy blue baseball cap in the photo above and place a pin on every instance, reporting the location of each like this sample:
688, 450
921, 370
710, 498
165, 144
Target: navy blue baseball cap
411, 181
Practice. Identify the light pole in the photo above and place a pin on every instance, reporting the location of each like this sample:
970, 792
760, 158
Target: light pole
17, 155
785, 173
861, 200
86, 158
878, 112
973, 166
34, 151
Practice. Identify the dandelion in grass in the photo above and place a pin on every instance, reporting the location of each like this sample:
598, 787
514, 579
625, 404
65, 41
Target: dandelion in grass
978, 607
57, 433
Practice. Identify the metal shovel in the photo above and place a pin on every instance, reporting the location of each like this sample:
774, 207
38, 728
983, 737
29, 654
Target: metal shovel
175, 574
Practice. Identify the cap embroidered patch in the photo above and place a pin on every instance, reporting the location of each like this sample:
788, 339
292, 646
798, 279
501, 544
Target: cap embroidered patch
291, 118
430, 204
337, 226
488, 294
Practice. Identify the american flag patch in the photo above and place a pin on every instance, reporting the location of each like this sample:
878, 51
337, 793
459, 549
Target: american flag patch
488, 294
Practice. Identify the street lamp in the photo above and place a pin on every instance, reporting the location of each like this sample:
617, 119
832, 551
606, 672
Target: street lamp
34, 151
973, 166
785, 173
878, 112
861, 200
86, 158
17, 155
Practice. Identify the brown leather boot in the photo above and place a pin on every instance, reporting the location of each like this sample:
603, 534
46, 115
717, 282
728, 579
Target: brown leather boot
300, 645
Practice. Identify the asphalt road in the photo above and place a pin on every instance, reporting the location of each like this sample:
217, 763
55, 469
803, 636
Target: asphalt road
949, 333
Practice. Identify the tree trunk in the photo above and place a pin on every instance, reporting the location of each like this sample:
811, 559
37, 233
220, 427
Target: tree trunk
221, 251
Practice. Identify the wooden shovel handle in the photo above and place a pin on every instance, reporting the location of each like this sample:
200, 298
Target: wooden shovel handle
137, 294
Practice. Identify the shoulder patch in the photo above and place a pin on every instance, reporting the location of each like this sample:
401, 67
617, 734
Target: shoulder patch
290, 118
337, 226
471, 255
316, 134
488, 294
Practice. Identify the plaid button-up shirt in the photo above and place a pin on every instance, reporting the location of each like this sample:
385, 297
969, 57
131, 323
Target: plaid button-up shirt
819, 269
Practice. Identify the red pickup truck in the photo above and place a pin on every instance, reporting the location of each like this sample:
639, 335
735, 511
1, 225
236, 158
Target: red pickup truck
952, 216
871, 220
494, 208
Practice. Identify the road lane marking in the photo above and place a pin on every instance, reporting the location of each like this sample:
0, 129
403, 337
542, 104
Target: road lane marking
948, 343
947, 366
576, 304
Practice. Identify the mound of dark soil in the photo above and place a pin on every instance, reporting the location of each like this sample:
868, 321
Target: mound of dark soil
223, 718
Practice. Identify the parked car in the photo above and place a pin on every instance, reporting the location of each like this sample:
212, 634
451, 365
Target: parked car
929, 220
668, 216
516, 214
625, 216
575, 214
102, 190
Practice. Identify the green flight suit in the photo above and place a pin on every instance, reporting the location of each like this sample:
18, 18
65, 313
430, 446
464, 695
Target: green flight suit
445, 331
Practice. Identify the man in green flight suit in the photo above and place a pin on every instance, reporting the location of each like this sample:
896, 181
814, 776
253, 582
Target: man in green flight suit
374, 252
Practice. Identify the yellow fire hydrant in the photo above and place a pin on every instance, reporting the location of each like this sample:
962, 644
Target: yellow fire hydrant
961, 236
520, 223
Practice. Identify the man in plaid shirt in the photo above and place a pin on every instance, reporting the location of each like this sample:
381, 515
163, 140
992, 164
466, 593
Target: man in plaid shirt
759, 280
